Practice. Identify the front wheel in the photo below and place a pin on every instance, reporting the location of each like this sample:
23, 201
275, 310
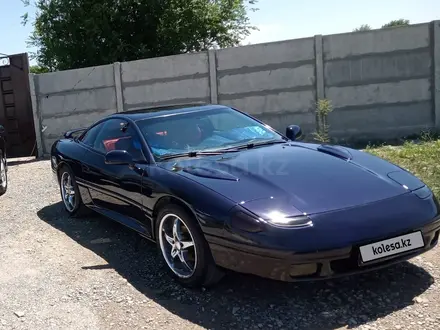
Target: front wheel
3, 174
69, 191
183, 248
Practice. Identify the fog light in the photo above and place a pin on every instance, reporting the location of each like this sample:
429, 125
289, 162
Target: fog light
303, 269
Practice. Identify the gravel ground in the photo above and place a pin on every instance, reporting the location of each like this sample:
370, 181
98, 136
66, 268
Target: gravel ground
90, 273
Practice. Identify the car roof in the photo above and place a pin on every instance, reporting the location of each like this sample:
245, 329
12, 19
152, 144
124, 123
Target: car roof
166, 110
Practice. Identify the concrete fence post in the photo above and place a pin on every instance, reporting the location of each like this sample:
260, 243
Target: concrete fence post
436, 71
319, 62
36, 116
213, 75
319, 74
118, 87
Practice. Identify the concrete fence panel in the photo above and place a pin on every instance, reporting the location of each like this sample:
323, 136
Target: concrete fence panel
71, 99
275, 82
343, 45
166, 80
380, 82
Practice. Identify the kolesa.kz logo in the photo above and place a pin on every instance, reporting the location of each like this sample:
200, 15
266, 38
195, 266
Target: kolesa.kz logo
391, 247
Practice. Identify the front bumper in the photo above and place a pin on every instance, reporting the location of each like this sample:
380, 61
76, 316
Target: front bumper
286, 266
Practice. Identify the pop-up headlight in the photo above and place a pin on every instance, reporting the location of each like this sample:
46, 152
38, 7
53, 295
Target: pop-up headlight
282, 220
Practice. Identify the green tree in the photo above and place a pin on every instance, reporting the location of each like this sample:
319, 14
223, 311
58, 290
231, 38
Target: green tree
397, 22
71, 34
38, 69
363, 27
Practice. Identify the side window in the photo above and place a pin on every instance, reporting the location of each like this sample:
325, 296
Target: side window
116, 135
90, 136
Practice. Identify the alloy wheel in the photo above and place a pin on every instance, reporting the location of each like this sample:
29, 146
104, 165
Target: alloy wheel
177, 246
3, 179
68, 191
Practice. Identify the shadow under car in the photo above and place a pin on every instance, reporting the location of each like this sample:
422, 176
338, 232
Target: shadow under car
244, 301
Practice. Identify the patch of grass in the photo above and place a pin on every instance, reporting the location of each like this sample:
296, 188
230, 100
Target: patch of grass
422, 159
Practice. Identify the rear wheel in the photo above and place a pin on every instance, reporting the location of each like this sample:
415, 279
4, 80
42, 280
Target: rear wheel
69, 191
3, 174
183, 248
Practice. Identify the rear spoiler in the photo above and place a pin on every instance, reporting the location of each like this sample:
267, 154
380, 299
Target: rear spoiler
68, 134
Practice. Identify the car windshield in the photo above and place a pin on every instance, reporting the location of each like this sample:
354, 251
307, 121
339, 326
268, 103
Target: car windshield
206, 130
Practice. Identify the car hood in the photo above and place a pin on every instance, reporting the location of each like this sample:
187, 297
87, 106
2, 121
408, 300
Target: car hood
297, 178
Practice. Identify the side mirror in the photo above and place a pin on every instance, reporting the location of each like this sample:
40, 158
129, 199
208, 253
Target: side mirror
2, 130
118, 157
293, 132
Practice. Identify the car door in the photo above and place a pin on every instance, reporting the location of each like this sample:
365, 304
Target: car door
115, 189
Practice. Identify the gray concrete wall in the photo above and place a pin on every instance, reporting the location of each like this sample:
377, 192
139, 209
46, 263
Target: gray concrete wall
274, 82
165, 80
382, 83
72, 99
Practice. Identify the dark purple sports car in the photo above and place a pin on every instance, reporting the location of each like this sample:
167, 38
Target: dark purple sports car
218, 189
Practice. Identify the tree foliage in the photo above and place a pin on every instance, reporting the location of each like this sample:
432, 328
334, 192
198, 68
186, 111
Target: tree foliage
70, 34
363, 27
393, 23
38, 69
397, 22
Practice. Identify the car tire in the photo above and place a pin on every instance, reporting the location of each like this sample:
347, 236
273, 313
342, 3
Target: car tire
3, 174
70, 195
199, 270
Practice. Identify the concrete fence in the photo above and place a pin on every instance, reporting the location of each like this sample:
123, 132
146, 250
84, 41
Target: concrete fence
383, 84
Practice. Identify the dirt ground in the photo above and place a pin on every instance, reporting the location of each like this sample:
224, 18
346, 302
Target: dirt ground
90, 273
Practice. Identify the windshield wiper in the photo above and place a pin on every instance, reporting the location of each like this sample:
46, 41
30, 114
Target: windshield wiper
250, 145
198, 153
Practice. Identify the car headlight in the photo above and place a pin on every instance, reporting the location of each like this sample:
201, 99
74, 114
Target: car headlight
282, 220
245, 221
